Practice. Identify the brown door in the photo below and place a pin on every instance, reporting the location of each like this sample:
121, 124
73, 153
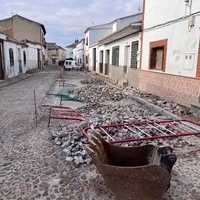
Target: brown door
1, 62
39, 59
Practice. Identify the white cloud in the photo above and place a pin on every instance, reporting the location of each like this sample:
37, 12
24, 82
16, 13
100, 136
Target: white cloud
66, 20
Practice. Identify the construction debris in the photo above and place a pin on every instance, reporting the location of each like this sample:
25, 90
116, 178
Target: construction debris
107, 105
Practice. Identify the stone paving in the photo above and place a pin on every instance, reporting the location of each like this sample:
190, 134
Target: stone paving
32, 167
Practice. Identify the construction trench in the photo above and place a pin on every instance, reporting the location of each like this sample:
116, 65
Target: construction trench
85, 148
102, 125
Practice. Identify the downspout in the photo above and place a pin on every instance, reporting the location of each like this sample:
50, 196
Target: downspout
3, 60
141, 41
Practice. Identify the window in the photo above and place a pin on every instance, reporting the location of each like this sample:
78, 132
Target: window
86, 59
24, 55
11, 55
158, 52
86, 41
115, 56
134, 52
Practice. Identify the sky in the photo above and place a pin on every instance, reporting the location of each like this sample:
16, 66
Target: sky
66, 20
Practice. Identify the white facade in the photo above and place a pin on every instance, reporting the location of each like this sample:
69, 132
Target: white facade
69, 52
19, 66
92, 36
34, 56
170, 64
180, 28
18, 58
124, 21
97, 33
79, 54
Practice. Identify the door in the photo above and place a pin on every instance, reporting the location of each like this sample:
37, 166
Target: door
39, 58
107, 62
19, 60
126, 61
101, 62
1, 62
94, 59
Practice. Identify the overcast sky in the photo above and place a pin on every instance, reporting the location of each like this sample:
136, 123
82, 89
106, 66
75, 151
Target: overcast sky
66, 20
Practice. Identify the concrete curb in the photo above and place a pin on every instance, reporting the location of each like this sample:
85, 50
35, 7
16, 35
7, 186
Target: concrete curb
155, 108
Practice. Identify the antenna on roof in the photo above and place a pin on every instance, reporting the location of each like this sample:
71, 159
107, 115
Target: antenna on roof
139, 6
11, 12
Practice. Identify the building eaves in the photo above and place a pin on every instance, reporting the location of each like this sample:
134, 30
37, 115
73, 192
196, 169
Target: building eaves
108, 25
41, 25
51, 45
135, 15
10, 39
30, 42
71, 46
128, 30
60, 47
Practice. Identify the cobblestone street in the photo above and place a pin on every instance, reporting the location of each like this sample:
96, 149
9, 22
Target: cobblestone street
32, 167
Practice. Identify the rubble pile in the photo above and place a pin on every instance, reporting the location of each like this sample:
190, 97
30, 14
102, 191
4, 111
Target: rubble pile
71, 139
98, 93
156, 100
93, 81
107, 105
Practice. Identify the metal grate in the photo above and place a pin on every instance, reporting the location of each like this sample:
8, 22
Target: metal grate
129, 132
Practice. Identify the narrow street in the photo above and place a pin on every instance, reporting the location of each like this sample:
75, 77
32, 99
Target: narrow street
33, 167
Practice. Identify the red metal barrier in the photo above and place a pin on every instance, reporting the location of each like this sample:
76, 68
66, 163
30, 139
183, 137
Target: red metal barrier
153, 130
64, 113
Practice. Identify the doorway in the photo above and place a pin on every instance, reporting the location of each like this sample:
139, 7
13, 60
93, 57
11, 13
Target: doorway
126, 61
1, 62
94, 59
19, 61
107, 61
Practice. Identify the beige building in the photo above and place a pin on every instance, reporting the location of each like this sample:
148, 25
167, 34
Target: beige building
55, 53
21, 28
31, 33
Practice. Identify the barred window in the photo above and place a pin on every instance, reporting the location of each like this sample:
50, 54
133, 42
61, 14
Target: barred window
134, 51
115, 56
11, 55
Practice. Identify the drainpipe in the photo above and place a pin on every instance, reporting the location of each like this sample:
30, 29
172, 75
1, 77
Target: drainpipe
3, 60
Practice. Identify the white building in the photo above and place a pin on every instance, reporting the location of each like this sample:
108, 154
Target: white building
79, 51
118, 55
14, 60
17, 57
69, 50
96, 33
170, 62
92, 36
